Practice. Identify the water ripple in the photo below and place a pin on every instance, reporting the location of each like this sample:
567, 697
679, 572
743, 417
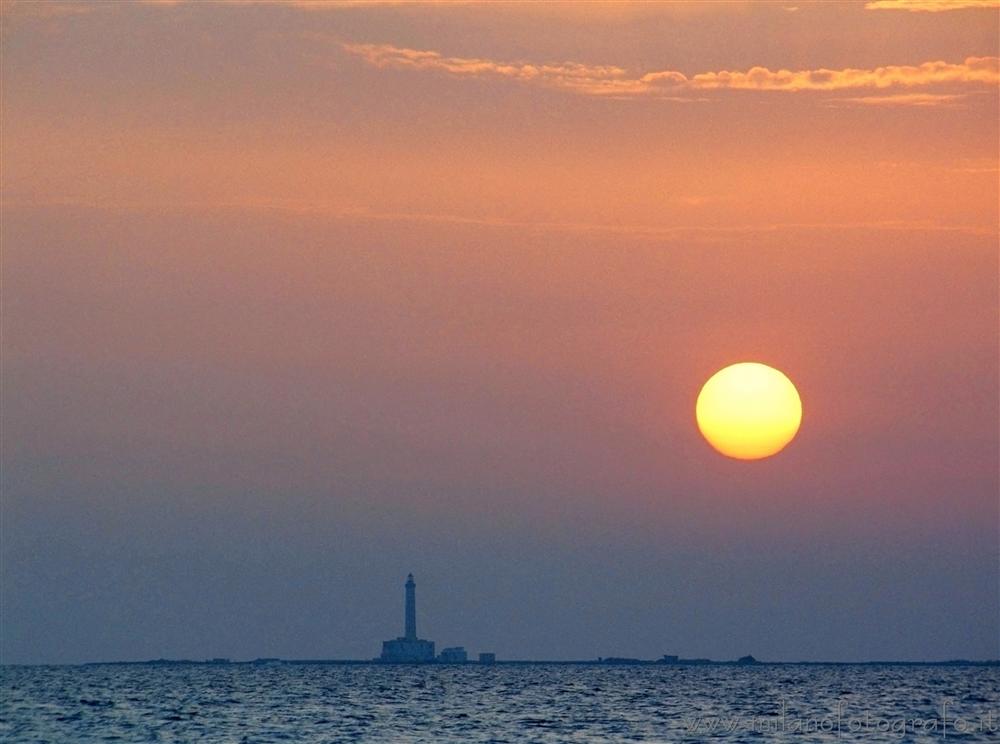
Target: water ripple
539, 703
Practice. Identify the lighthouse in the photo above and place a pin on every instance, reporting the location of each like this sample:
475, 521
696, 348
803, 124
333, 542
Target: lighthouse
411, 609
408, 647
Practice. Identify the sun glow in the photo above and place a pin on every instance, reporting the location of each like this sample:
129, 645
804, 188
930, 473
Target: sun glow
748, 411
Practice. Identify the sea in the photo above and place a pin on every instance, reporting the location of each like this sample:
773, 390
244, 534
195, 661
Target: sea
302, 702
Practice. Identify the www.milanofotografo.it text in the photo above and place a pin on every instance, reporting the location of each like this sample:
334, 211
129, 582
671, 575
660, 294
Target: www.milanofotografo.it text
845, 721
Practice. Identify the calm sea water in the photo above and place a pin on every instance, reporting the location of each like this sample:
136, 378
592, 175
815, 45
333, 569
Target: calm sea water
541, 703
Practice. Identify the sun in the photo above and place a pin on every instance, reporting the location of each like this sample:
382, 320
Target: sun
748, 411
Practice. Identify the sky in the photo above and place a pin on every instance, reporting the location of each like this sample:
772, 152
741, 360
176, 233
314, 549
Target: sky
301, 297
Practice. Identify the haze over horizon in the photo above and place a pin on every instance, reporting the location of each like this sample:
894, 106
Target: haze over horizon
300, 298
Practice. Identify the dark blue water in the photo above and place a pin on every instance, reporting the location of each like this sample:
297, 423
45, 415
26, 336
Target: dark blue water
541, 703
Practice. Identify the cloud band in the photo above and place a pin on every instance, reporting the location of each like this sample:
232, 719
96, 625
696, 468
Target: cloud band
609, 80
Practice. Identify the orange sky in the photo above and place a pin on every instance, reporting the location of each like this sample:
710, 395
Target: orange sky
647, 117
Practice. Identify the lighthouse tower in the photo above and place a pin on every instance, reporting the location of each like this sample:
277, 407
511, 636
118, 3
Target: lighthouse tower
408, 648
411, 609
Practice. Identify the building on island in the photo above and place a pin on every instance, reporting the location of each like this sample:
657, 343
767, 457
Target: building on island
454, 655
409, 648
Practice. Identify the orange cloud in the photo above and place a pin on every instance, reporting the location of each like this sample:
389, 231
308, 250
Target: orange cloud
925, 100
610, 80
972, 70
930, 6
592, 79
592, 9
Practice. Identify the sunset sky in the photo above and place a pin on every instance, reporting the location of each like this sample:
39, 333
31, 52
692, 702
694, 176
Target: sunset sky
301, 297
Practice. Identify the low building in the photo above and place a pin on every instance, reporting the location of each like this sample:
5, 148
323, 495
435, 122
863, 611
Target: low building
403, 650
454, 655
485, 658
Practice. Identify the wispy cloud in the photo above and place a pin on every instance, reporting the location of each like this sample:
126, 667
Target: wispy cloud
976, 166
930, 6
591, 79
363, 214
923, 100
610, 80
594, 9
972, 70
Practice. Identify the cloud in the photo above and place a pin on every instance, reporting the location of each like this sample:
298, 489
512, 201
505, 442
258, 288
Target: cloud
589, 79
976, 166
357, 213
338, 4
593, 9
315, 4
924, 100
930, 6
613, 81
972, 70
